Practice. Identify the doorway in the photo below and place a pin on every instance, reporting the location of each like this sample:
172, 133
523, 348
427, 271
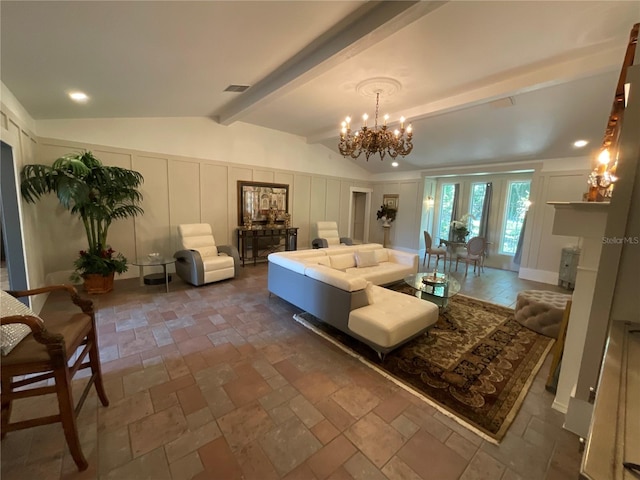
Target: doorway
14, 262
359, 211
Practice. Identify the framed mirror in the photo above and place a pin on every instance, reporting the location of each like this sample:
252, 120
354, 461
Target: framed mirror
255, 199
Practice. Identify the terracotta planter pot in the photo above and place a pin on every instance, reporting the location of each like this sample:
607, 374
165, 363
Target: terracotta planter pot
97, 283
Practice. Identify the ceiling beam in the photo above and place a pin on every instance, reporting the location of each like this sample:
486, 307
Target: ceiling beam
366, 26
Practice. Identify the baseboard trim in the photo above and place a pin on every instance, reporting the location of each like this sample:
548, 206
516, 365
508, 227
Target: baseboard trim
542, 276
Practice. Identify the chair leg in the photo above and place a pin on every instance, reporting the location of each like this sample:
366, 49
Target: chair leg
466, 268
94, 360
68, 416
456, 265
6, 404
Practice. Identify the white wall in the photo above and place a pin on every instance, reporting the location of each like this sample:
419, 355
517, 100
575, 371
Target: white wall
203, 138
179, 189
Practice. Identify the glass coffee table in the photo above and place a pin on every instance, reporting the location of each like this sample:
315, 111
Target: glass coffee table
154, 278
438, 289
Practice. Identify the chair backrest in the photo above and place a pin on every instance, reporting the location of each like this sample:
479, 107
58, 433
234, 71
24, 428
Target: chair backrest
428, 242
329, 231
198, 236
476, 245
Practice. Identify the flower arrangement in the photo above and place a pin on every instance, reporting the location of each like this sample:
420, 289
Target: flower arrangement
460, 227
102, 262
387, 212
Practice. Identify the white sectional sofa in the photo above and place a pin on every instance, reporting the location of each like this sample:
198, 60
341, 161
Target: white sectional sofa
341, 286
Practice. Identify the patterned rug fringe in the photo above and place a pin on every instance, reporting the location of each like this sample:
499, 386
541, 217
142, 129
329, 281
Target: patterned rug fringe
298, 317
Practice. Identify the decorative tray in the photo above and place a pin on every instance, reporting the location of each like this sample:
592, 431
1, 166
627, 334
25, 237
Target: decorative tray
431, 279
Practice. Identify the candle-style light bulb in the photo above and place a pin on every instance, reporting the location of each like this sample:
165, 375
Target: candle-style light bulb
604, 157
409, 129
343, 125
396, 132
348, 120
401, 122
364, 119
386, 117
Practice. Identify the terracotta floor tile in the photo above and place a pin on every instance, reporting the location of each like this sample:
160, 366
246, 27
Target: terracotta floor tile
191, 399
156, 430
152, 465
315, 386
398, 470
187, 467
358, 401
337, 415
244, 425
219, 461
366, 434
125, 411
442, 462
288, 370
288, 445
255, 464
242, 391
325, 431
331, 456
391, 407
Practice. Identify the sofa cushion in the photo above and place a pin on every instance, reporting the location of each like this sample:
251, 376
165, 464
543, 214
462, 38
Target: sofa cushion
366, 258
336, 278
392, 318
382, 255
342, 262
383, 273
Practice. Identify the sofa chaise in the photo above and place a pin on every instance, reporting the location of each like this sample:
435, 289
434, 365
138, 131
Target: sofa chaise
342, 287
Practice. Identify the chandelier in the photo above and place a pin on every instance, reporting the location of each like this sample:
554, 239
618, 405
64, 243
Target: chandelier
375, 140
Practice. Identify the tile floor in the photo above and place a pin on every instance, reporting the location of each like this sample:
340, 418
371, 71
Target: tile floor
219, 382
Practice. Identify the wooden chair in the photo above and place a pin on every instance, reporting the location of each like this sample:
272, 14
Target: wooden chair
46, 353
429, 250
474, 254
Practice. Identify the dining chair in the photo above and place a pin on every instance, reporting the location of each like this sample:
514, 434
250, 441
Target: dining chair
46, 353
430, 250
474, 254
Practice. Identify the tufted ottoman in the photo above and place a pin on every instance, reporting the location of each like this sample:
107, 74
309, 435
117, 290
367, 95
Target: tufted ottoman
541, 311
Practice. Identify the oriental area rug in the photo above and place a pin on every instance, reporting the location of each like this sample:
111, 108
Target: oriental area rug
476, 364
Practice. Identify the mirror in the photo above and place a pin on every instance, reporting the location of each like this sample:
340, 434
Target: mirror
255, 199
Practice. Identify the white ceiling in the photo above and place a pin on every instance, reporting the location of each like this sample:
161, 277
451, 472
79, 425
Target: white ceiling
558, 61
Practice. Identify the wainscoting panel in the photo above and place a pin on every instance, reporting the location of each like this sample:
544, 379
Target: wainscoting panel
153, 233
216, 201
300, 209
184, 196
318, 204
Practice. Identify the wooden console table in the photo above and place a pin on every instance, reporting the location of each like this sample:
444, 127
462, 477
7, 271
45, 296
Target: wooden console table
263, 241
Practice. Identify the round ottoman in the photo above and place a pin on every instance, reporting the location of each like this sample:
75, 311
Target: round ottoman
541, 311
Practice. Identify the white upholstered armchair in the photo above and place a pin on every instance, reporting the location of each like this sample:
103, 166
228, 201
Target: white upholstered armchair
328, 236
201, 261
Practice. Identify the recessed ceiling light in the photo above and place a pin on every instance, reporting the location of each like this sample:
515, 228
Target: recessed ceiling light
580, 143
78, 96
394, 164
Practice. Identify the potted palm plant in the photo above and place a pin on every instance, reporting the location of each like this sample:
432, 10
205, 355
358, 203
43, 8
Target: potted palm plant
96, 193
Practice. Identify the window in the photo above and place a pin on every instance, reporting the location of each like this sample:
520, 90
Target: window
446, 208
475, 208
515, 208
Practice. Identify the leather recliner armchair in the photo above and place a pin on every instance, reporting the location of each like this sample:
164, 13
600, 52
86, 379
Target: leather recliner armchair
328, 236
201, 261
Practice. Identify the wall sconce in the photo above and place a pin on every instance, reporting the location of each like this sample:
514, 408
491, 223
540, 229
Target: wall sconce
429, 202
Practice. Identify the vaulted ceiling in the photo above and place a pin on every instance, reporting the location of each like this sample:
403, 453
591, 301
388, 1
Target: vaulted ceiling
480, 81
